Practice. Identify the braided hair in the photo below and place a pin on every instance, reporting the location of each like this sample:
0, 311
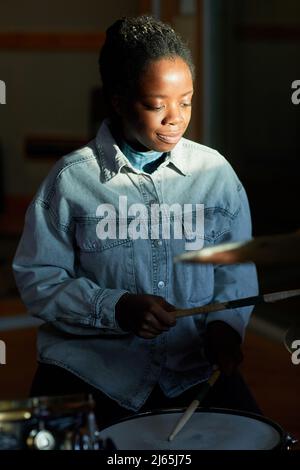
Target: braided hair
131, 43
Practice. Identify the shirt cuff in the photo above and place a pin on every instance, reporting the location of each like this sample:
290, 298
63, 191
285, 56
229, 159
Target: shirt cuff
236, 318
104, 310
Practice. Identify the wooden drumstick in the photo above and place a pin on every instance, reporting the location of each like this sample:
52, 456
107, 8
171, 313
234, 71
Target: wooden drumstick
194, 405
258, 299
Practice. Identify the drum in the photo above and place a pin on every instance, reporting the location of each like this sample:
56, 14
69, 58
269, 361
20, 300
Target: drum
46, 423
212, 429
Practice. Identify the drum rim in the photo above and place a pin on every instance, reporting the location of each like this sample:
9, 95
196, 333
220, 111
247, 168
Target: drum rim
282, 433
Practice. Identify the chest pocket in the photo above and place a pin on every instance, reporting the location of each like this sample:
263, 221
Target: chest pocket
109, 260
193, 282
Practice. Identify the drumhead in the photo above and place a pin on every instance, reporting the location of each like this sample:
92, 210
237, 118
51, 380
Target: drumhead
214, 429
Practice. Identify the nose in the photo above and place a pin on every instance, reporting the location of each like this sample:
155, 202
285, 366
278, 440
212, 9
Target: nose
173, 116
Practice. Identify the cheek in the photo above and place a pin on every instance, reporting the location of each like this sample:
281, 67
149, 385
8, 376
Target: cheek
149, 123
187, 115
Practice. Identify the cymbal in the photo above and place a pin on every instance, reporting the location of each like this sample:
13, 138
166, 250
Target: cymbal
277, 250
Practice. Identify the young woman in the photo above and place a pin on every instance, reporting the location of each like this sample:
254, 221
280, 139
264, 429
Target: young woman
95, 261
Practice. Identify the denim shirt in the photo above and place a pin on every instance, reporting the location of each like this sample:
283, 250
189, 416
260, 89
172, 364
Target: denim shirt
72, 279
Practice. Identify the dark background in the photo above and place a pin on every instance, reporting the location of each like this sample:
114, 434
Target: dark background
247, 56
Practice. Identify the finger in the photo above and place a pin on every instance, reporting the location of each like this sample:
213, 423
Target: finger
226, 365
226, 368
236, 356
146, 334
151, 329
231, 366
169, 307
163, 317
168, 311
239, 359
150, 321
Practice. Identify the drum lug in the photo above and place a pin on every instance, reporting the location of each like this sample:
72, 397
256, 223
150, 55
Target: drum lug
68, 441
290, 441
40, 440
92, 439
77, 442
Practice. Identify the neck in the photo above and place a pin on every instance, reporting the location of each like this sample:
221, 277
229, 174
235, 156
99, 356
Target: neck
120, 138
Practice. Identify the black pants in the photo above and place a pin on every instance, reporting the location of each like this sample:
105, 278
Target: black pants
228, 392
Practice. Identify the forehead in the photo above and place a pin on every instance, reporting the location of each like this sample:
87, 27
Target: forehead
164, 76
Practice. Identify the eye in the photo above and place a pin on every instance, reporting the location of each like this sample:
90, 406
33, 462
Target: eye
153, 108
185, 105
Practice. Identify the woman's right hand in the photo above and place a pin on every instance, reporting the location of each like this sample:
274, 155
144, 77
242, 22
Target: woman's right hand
145, 315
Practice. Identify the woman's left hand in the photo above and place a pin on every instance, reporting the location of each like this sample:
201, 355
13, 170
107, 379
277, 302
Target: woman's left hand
223, 346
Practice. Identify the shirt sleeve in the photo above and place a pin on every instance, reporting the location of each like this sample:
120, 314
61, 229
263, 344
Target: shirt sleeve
239, 280
45, 271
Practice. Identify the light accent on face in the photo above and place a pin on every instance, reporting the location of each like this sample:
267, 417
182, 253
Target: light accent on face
160, 113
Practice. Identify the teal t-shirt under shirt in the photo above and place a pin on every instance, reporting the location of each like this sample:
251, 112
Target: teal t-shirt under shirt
143, 161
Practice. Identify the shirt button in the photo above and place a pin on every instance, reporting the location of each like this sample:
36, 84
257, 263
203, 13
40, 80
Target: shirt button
158, 243
161, 285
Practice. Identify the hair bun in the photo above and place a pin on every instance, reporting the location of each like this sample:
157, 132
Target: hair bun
114, 30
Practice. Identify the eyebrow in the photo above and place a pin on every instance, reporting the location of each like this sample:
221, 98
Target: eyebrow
165, 96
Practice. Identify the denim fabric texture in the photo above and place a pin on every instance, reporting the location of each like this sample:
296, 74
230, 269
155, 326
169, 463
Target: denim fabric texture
72, 279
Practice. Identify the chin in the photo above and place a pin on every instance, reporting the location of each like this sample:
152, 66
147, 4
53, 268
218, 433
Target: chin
159, 146
164, 147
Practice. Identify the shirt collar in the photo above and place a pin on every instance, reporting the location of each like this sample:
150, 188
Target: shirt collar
176, 158
112, 160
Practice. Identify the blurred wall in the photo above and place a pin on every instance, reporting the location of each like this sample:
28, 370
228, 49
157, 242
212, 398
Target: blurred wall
48, 92
252, 51
246, 55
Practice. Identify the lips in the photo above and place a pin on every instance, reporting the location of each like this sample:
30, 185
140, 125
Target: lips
169, 138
